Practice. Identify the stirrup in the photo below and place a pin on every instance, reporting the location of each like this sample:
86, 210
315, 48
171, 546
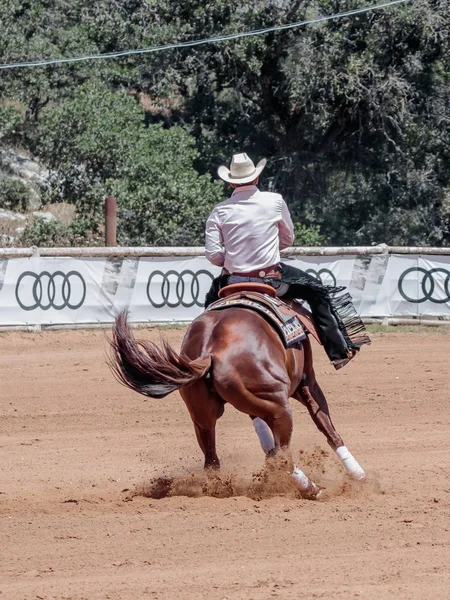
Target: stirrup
341, 362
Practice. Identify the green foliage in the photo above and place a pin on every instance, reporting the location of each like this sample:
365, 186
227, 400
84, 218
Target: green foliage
42, 233
307, 236
352, 113
97, 144
39, 232
10, 122
14, 194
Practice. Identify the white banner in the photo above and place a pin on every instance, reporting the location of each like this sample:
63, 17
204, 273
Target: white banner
70, 291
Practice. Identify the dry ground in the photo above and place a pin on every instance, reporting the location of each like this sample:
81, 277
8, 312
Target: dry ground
75, 445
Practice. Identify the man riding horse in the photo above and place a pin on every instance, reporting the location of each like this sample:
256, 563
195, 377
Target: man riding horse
244, 236
234, 356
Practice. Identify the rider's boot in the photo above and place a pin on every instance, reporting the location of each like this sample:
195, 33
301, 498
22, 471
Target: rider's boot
338, 349
341, 362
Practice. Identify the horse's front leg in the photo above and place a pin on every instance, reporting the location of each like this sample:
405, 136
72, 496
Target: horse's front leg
310, 395
264, 434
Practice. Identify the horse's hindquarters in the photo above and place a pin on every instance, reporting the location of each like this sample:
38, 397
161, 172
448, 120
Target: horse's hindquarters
250, 369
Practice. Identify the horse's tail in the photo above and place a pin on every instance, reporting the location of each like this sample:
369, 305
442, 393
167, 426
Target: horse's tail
148, 369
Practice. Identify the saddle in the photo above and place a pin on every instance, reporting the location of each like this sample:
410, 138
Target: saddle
291, 325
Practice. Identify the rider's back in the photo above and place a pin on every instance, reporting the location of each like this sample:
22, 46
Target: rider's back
249, 225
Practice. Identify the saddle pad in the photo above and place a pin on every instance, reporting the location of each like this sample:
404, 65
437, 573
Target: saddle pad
287, 324
284, 311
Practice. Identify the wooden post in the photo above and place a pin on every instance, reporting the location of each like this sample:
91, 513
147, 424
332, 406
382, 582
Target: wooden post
110, 221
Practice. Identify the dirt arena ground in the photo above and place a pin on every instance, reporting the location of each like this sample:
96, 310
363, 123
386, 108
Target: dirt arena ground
75, 447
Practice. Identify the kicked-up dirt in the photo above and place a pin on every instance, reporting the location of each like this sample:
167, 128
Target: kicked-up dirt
84, 461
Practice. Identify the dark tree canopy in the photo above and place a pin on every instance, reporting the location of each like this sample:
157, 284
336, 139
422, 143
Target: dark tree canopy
353, 114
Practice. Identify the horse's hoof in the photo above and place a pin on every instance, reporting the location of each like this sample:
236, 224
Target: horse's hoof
313, 492
357, 475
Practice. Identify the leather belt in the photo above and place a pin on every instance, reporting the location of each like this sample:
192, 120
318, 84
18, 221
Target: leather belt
272, 272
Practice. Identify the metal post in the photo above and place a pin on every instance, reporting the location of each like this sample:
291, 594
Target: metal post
110, 221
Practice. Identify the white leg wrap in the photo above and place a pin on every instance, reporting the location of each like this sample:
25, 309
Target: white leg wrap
303, 482
351, 465
264, 434
300, 478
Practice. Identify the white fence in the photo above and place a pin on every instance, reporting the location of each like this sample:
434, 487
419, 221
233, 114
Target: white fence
57, 287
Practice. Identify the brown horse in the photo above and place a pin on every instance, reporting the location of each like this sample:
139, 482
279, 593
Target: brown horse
232, 356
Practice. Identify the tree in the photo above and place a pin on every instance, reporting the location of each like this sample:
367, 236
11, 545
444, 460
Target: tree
97, 144
352, 113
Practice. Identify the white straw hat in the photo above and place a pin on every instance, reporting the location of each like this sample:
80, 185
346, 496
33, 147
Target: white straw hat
242, 169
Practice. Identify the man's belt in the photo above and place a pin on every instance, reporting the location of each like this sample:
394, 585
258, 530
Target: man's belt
272, 272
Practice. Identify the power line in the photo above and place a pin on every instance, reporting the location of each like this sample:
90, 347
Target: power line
222, 38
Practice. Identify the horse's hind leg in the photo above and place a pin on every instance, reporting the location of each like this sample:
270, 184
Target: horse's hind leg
280, 422
310, 395
205, 407
206, 437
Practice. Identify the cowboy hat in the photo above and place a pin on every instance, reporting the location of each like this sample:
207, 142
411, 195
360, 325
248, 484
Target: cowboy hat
242, 169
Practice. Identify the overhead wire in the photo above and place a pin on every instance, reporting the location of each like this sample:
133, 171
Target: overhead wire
190, 44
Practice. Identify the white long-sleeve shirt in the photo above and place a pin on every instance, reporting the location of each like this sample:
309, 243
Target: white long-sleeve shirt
247, 231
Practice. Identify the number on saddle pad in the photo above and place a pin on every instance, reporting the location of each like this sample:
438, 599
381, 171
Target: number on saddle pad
289, 326
293, 331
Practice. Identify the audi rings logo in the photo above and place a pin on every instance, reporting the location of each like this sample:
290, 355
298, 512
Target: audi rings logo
174, 289
325, 276
432, 285
46, 290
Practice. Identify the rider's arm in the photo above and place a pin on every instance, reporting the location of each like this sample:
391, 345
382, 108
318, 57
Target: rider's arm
286, 227
214, 250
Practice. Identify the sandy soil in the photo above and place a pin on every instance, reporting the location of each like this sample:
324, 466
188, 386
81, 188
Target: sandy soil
75, 446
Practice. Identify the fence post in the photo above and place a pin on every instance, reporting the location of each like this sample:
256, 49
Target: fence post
110, 221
